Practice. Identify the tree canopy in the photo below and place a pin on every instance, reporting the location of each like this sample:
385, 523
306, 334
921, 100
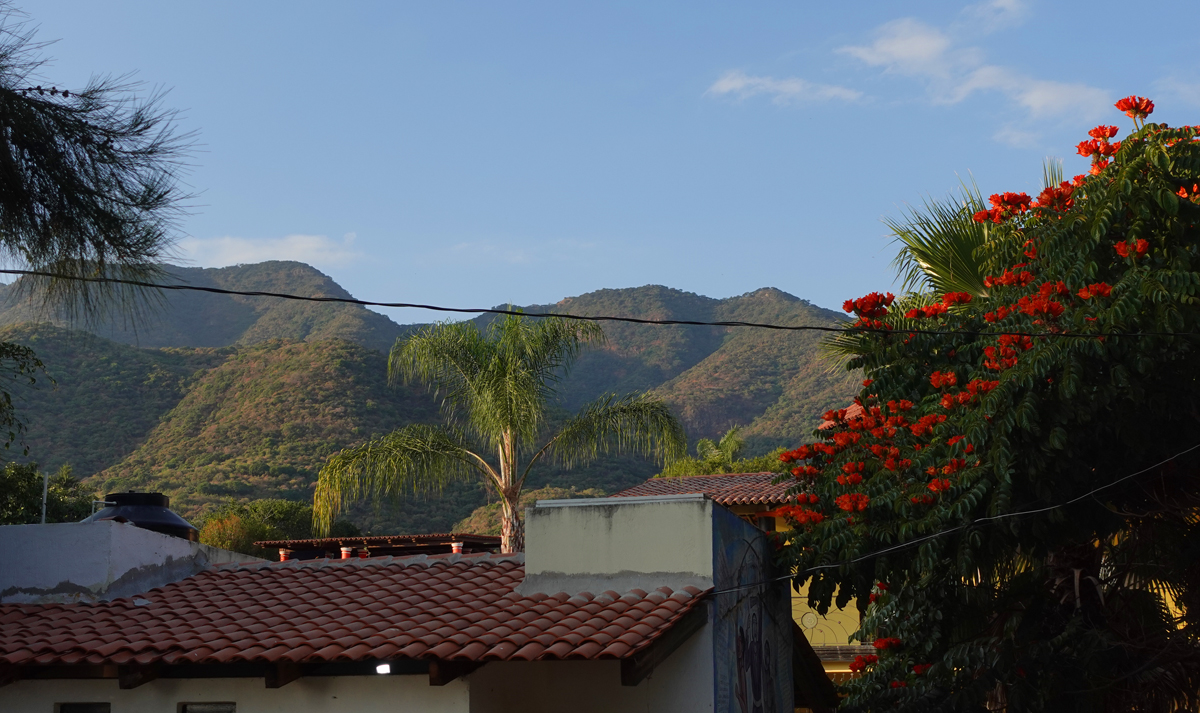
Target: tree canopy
495, 385
1014, 508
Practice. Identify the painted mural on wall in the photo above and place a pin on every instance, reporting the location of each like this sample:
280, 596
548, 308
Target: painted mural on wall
754, 623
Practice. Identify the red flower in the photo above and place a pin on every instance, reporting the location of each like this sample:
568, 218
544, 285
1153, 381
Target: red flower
1122, 249
1098, 289
921, 668
1141, 246
940, 379
1098, 167
1103, 132
1136, 107
889, 642
939, 485
1087, 148
851, 502
869, 306
868, 382
899, 684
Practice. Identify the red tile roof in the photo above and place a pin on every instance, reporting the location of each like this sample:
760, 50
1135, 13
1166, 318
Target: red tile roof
729, 489
854, 410
448, 607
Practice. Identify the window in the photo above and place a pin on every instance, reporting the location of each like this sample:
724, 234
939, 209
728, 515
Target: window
207, 708
83, 708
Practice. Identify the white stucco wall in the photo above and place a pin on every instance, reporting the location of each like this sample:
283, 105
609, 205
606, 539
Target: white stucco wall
75, 561
333, 694
681, 684
618, 543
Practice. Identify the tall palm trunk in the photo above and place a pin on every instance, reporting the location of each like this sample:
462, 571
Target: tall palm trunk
512, 530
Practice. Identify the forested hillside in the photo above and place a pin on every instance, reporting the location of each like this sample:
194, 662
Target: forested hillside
246, 397
199, 319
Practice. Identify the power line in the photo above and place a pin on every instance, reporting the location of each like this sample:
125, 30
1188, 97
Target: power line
940, 533
587, 318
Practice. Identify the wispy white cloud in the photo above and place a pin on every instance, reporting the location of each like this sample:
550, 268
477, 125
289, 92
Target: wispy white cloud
317, 250
505, 252
992, 15
1042, 98
782, 91
1017, 138
954, 72
1184, 90
907, 46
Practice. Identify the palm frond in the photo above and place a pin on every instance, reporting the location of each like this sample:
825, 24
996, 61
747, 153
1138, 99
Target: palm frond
416, 459
636, 423
1052, 172
938, 245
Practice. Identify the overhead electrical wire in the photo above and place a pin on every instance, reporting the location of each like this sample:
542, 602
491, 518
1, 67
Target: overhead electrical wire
940, 533
588, 318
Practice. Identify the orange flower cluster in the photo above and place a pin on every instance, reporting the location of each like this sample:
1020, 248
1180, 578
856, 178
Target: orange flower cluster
939, 485
801, 453
1009, 279
1183, 191
955, 465
1004, 205
869, 306
932, 310
801, 515
943, 379
1097, 148
851, 473
1135, 107
949, 401
901, 405
851, 502
1007, 351
1139, 248
979, 387
806, 471
861, 662
889, 642
1058, 199
922, 499
1040, 306
925, 424
1096, 289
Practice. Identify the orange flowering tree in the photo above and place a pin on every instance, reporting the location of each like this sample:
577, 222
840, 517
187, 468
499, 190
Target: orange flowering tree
1011, 502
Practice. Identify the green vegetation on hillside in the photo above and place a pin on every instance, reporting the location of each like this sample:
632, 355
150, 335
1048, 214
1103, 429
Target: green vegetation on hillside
67, 500
199, 319
237, 526
262, 423
101, 399
257, 420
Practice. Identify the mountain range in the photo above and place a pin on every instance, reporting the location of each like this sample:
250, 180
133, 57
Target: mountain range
217, 397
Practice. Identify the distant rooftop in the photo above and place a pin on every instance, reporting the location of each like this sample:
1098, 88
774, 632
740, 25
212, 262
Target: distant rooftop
386, 545
727, 489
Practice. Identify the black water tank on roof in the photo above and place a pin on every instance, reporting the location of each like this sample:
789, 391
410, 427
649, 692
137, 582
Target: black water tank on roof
150, 511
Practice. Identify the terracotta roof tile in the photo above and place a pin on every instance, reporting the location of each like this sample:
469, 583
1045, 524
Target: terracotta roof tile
452, 607
729, 489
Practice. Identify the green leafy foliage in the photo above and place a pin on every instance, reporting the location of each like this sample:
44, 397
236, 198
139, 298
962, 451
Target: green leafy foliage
722, 457
21, 495
237, 526
1012, 512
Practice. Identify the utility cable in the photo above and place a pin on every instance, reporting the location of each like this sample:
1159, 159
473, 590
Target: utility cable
589, 318
940, 533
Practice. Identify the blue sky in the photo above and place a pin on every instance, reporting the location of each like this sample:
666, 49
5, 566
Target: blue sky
473, 154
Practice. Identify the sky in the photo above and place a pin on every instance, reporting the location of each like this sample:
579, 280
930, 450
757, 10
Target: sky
474, 154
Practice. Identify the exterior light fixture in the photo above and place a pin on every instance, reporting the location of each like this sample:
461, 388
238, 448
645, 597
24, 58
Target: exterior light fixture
384, 668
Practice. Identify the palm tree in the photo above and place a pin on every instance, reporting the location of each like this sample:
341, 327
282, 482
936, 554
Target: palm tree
495, 386
942, 249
